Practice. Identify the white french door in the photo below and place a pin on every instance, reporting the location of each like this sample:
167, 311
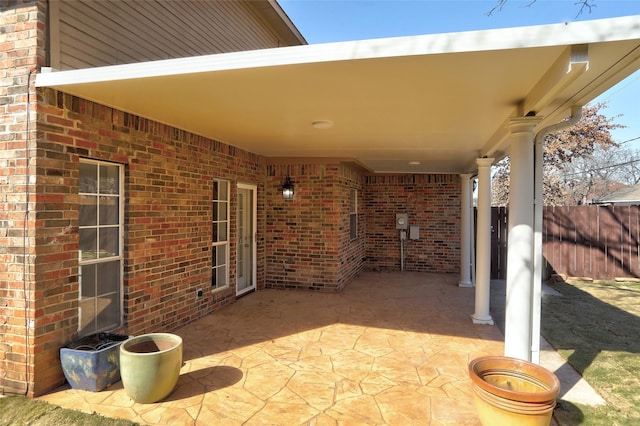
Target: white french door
246, 244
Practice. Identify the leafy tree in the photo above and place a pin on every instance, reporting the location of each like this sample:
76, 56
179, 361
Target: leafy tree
569, 160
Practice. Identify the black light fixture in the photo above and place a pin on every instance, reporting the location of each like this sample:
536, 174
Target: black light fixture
287, 189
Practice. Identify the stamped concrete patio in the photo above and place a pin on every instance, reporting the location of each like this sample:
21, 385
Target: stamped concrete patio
392, 348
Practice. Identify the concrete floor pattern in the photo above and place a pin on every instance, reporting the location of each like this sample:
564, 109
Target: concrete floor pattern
390, 349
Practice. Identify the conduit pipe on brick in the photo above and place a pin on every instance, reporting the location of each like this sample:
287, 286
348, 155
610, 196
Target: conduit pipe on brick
576, 115
403, 238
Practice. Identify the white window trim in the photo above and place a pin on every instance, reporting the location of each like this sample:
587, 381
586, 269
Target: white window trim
353, 213
119, 257
222, 243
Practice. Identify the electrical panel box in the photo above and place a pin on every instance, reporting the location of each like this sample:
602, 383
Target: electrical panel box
414, 232
402, 221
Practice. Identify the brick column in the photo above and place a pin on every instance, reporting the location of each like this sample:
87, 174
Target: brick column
22, 43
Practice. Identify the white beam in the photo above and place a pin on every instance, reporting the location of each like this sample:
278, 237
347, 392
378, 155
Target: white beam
569, 66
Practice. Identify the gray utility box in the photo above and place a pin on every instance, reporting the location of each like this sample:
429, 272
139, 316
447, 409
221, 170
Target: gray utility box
414, 232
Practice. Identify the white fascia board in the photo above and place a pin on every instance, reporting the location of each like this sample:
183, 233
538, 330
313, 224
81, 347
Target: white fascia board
616, 29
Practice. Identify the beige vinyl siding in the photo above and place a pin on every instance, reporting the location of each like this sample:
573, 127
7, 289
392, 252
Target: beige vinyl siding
98, 33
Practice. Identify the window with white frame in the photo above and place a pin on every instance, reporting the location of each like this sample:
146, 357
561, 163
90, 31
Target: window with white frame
220, 244
353, 213
100, 211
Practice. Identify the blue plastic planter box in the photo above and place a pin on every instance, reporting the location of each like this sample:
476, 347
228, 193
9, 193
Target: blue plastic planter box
92, 363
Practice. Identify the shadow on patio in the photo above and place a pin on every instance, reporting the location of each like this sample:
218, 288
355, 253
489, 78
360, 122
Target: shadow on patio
392, 348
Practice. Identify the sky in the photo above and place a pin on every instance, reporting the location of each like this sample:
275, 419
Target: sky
323, 21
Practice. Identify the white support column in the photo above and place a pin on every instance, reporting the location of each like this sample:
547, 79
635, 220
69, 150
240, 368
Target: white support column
518, 320
465, 231
483, 245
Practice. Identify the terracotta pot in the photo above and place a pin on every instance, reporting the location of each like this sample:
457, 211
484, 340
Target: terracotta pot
150, 366
510, 391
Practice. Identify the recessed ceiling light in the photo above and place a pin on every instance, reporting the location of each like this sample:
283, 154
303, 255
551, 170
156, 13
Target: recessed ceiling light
322, 124
414, 163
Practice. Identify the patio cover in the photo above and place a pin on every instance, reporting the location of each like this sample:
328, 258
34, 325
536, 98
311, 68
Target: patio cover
439, 100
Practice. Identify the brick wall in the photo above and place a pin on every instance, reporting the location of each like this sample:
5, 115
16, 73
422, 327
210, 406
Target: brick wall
433, 203
301, 233
22, 44
308, 237
351, 252
168, 213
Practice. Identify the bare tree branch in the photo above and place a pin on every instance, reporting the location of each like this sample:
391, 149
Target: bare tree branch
585, 5
498, 7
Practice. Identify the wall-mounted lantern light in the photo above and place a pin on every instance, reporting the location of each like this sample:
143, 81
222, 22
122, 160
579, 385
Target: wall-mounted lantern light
287, 189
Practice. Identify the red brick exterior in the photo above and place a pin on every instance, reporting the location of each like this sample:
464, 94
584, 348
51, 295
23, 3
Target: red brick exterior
308, 240
352, 251
22, 309
168, 194
433, 203
304, 243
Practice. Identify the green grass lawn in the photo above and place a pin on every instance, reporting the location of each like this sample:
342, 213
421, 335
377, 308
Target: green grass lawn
596, 327
19, 410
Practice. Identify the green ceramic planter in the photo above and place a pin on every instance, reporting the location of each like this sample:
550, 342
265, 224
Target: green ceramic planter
150, 366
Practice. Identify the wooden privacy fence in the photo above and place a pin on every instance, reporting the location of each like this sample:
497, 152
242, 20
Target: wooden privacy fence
599, 242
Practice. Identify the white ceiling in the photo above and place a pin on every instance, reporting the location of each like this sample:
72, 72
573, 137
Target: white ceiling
440, 100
